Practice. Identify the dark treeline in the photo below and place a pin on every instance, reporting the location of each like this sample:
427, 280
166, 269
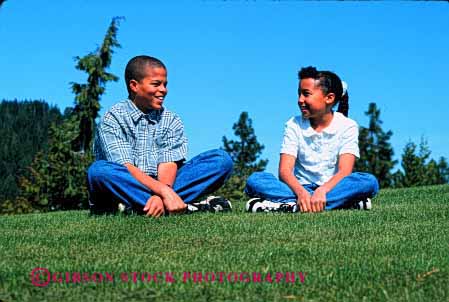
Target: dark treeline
23, 132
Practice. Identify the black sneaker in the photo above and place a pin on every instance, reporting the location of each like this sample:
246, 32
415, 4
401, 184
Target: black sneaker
363, 204
255, 205
212, 204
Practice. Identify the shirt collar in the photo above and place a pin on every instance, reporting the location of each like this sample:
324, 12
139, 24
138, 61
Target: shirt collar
331, 129
137, 114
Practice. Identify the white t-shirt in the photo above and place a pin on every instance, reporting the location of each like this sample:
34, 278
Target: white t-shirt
317, 152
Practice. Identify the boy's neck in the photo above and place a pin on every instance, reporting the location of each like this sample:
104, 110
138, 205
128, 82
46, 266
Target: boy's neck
320, 123
143, 109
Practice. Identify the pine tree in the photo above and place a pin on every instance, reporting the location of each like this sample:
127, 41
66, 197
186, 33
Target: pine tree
443, 169
412, 165
245, 153
376, 152
419, 169
88, 95
57, 178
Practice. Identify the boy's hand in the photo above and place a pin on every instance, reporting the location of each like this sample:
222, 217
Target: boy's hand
318, 200
172, 202
304, 201
154, 207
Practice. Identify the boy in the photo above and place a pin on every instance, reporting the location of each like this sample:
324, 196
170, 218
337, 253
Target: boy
140, 150
317, 155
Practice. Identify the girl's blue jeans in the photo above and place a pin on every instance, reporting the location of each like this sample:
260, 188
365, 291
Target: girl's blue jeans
351, 189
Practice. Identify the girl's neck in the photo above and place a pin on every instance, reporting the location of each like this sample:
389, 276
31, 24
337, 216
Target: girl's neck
320, 123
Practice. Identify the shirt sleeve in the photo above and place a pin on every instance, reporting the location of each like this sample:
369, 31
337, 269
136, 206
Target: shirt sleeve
173, 145
112, 141
350, 141
290, 142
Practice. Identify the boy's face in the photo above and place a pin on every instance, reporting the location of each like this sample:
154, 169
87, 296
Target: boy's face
311, 100
150, 91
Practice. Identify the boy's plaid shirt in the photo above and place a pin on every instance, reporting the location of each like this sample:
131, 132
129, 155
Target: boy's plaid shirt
127, 135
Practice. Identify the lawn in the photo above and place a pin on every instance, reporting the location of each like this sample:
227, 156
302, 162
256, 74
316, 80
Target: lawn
399, 251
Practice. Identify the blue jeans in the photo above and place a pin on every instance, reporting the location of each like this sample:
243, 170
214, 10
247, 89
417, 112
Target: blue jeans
110, 183
349, 190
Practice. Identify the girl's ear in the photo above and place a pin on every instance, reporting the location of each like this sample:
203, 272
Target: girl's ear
330, 98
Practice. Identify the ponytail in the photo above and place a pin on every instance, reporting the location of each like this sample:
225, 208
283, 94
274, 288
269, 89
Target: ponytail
343, 105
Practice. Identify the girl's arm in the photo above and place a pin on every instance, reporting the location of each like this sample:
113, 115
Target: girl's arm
345, 165
286, 165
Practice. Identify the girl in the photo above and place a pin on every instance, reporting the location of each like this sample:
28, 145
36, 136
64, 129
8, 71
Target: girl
318, 153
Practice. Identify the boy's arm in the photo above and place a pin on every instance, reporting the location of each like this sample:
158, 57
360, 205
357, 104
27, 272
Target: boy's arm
167, 173
172, 152
113, 143
345, 165
172, 202
286, 165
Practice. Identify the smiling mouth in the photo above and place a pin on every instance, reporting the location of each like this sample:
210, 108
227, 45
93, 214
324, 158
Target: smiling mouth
160, 98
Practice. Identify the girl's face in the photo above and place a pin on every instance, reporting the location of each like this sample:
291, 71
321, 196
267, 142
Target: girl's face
311, 100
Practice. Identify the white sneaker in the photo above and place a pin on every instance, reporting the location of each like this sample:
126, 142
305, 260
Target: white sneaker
363, 204
210, 204
255, 205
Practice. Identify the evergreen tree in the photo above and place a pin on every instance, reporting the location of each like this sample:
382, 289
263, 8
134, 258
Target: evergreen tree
413, 167
245, 153
443, 169
56, 179
419, 169
88, 95
376, 152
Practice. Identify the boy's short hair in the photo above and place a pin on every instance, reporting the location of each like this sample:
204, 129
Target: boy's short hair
135, 69
328, 81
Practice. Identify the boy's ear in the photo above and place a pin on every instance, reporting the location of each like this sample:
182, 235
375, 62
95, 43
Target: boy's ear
330, 98
133, 85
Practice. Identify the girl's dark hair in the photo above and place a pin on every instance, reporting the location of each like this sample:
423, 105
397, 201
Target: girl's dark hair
135, 69
329, 82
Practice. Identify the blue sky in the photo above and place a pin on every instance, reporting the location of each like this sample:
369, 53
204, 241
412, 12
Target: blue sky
227, 57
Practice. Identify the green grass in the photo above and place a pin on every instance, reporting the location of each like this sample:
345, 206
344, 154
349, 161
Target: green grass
399, 251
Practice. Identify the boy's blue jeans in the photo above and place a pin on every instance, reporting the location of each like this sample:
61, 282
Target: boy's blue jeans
110, 183
349, 190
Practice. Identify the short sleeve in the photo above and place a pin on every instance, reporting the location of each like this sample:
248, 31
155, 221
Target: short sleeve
290, 142
173, 144
350, 141
111, 142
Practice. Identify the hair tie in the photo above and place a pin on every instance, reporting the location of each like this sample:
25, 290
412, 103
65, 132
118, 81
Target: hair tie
345, 87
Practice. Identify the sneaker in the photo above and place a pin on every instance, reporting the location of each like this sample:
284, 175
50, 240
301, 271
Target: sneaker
108, 209
363, 204
210, 204
124, 209
255, 205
